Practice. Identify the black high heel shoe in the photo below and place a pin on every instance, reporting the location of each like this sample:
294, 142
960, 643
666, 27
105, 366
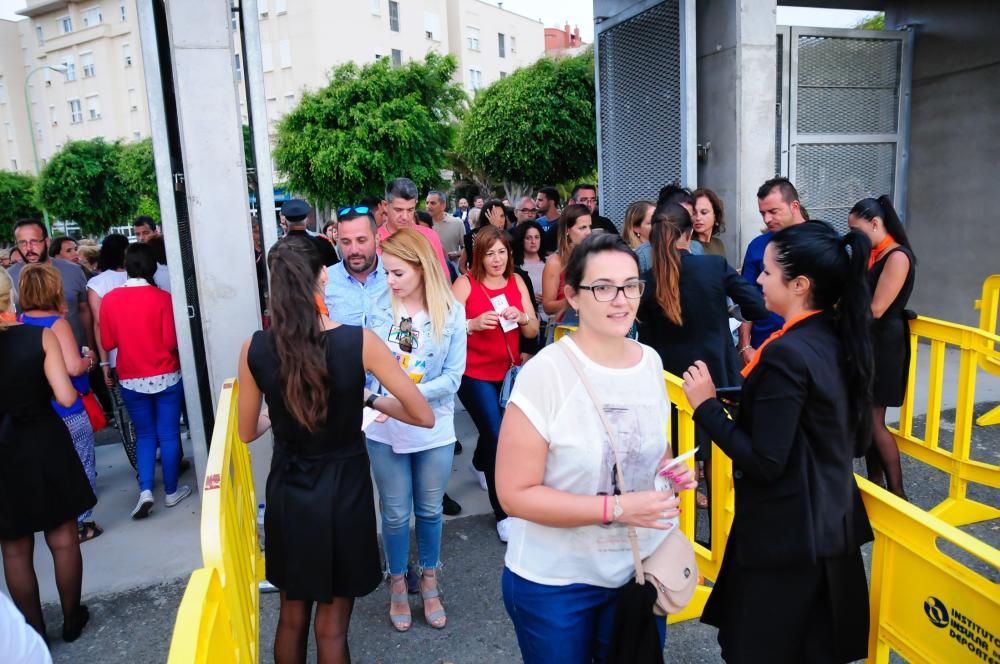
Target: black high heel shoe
73, 627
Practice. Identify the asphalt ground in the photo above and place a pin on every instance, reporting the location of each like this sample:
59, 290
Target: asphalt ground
135, 626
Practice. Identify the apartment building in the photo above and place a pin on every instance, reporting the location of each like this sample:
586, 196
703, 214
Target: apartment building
99, 89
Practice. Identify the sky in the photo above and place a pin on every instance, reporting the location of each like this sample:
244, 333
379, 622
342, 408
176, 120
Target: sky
556, 13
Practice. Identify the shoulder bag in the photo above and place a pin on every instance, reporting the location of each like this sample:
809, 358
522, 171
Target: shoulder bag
671, 568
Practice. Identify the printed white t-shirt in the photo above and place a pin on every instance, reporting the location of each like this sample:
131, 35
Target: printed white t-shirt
102, 284
406, 438
580, 460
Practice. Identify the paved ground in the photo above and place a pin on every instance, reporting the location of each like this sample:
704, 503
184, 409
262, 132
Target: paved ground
135, 626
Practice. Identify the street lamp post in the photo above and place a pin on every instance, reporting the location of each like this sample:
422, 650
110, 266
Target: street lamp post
31, 126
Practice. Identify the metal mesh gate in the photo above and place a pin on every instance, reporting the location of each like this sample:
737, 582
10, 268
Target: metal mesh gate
845, 118
642, 94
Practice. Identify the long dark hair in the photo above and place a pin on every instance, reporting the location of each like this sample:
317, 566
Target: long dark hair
668, 221
294, 264
837, 268
518, 247
881, 207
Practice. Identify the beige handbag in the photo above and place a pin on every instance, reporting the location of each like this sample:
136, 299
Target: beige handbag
671, 568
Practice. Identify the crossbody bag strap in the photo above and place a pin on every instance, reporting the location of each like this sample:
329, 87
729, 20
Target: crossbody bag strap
633, 535
510, 355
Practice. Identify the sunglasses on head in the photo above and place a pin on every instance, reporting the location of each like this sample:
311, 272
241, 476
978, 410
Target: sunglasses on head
362, 209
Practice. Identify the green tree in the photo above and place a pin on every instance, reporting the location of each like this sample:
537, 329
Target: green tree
873, 22
138, 171
17, 201
534, 127
369, 125
84, 183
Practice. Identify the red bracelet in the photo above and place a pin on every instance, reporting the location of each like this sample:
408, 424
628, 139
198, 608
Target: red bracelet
605, 520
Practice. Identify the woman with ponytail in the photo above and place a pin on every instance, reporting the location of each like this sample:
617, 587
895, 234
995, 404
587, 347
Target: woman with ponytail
320, 540
805, 414
890, 277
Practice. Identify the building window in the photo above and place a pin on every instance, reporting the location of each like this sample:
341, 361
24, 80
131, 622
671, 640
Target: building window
394, 15
234, 22
376, 7
472, 38
262, 7
127, 54
266, 58
70, 66
397, 57
13, 164
501, 45
75, 111
475, 79
93, 107
432, 26
10, 131
289, 100
280, 6
53, 118
137, 135
39, 36
284, 54
65, 25
87, 62
503, 74
3, 91
91, 17
121, 11
513, 44
239, 66
133, 100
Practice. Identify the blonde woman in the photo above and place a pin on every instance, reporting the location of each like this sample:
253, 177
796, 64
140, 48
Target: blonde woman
574, 227
635, 232
412, 465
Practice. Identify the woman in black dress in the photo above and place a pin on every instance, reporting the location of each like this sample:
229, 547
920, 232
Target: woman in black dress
320, 539
805, 414
43, 486
891, 275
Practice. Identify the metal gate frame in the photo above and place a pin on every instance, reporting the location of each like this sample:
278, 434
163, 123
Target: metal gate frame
788, 104
688, 82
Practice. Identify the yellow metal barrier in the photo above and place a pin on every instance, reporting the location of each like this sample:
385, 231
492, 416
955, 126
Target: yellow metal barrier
925, 604
229, 545
975, 347
989, 308
203, 632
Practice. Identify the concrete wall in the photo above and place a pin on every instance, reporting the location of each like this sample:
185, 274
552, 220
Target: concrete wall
954, 151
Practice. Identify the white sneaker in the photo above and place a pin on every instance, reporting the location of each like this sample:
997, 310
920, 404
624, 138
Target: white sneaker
182, 492
480, 476
503, 529
144, 506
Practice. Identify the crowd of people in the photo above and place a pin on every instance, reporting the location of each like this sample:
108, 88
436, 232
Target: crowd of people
378, 323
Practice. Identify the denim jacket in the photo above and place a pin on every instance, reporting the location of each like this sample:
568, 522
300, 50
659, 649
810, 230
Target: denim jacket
445, 358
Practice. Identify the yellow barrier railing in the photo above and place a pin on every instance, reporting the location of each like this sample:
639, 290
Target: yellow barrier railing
925, 604
989, 309
974, 347
203, 632
229, 544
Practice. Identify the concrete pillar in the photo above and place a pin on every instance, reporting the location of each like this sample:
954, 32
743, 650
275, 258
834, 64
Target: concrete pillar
736, 109
208, 114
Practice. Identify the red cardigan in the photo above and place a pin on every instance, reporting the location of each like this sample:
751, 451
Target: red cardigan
139, 322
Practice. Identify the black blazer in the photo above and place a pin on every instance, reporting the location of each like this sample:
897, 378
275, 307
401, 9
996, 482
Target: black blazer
705, 282
792, 447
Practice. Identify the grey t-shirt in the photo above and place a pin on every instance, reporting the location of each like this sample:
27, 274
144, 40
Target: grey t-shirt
74, 290
451, 231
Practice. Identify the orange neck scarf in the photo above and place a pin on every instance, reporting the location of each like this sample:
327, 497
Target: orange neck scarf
321, 306
879, 249
8, 317
791, 322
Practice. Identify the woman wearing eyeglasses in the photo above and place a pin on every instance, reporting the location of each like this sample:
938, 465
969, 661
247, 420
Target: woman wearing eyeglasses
412, 465
497, 305
569, 551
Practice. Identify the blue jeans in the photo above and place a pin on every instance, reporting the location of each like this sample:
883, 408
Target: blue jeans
411, 483
570, 624
156, 418
481, 399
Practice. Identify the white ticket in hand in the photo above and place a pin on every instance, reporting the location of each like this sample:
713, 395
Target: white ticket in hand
501, 305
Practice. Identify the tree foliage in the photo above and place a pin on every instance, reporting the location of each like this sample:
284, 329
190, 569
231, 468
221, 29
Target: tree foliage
534, 127
873, 22
368, 125
138, 171
84, 183
17, 201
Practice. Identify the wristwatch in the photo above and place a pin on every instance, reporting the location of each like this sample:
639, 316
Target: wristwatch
370, 401
618, 510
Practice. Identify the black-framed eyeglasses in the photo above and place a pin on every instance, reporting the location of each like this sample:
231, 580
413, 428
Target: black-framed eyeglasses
607, 292
361, 209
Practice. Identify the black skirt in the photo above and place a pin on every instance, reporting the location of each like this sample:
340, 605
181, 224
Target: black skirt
891, 345
319, 527
815, 613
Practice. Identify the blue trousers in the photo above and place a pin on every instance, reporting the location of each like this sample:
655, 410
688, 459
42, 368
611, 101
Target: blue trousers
567, 624
157, 419
411, 483
481, 399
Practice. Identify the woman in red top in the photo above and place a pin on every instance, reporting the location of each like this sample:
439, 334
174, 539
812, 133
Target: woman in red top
493, 297
138, 320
